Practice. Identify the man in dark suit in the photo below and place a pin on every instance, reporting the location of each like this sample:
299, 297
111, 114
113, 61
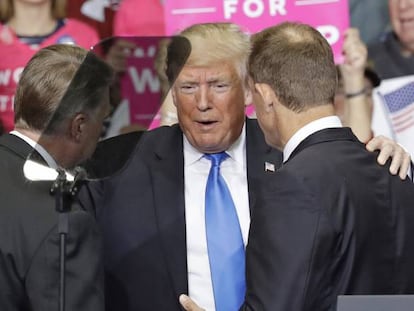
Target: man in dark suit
59, 108
152, 211
155, 247
331, 221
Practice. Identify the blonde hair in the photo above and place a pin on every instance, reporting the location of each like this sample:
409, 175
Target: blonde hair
216, 42
58, 8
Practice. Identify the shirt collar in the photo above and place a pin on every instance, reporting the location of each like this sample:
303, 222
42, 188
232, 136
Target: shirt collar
42, 151
307, 130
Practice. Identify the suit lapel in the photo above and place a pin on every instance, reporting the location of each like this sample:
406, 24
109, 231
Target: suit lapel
325, 135
257, 154
167, 170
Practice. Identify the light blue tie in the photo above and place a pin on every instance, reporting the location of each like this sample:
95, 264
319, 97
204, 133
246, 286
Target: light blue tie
224, 240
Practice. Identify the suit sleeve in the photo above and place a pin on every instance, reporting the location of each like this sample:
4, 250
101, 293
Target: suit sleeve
91, 196
84, 272
280, 250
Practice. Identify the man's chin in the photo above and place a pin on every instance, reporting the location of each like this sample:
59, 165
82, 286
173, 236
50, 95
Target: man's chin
206, 146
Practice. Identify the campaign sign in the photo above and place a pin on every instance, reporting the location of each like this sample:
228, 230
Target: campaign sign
140, 85
330, 17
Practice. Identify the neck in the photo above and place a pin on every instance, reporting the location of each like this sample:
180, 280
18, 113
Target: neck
292, 121
57, 147
406, 52
407, 48
32, 19
31, 134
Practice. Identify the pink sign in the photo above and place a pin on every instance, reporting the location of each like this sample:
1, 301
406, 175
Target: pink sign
140, 84
330, 17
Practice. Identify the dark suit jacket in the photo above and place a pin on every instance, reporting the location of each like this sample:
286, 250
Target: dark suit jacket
330, 222
141, 211
29, 243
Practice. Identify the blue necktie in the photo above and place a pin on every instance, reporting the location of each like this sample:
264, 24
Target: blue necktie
224, 240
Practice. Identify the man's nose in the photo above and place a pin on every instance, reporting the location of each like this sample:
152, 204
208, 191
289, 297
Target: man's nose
203, 98
403, 4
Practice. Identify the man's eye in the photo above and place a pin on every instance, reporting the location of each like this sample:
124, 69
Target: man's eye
221, 87
187, 88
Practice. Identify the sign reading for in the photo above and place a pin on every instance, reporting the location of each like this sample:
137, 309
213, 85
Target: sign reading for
330, 17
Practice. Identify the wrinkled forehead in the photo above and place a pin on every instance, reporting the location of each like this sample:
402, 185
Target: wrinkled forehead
219, 71
210, 58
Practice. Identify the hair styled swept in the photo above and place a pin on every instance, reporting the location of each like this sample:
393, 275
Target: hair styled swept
207, 44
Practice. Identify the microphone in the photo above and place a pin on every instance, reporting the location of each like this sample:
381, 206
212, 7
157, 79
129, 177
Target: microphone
80, 176
72, 181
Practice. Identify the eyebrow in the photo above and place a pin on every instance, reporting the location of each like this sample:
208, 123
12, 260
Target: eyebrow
220, 79
187, 82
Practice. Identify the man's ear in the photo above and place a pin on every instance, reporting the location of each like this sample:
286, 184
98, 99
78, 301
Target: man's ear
267, 94
173, 95
77, 126
248, 93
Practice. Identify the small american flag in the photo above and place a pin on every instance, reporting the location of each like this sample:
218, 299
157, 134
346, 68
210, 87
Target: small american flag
400, 104
269, 167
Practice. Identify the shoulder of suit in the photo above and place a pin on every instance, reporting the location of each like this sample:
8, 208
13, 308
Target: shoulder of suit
15, 145
161, 133
160, 140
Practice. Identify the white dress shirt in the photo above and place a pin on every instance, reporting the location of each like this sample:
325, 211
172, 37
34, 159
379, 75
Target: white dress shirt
196, 170
307, 130
42, 151
312, 127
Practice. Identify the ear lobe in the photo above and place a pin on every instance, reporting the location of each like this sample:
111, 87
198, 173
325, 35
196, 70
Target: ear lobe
77, 126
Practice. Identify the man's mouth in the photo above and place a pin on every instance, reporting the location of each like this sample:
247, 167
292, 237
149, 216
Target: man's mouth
206, 122
406, 22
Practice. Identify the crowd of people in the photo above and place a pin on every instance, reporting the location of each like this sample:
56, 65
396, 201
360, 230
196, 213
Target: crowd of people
215, 211
26, 27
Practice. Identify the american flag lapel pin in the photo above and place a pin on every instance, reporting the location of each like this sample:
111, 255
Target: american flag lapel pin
269, 167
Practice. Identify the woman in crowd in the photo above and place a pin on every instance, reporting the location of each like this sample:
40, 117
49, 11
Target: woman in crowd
26, 27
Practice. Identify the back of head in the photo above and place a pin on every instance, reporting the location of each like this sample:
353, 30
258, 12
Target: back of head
58, 82
211, 43
297, 62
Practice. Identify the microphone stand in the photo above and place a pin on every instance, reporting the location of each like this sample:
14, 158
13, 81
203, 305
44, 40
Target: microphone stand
64, 192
